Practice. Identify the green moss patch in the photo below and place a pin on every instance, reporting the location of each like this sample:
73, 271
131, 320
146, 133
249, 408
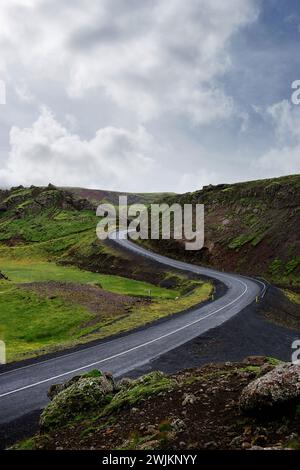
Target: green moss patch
140, 389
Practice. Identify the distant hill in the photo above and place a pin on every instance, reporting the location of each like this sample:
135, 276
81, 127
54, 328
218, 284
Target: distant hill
96, 196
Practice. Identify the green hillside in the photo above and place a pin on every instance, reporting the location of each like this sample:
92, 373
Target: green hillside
250, 227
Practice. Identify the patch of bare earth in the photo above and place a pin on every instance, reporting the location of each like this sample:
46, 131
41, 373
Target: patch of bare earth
101, 302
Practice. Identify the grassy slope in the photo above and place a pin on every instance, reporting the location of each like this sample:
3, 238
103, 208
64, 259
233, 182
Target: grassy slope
40, 228
30, 323
250, 227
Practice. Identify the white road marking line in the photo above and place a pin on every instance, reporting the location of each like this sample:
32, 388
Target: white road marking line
128, 351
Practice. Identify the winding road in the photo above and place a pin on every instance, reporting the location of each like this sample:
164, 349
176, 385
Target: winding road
23, 390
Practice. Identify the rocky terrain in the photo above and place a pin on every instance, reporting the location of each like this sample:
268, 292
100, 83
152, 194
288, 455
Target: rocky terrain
253, 404
250, 227
32, 200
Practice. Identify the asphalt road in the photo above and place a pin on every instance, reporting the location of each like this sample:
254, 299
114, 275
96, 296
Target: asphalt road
23, 389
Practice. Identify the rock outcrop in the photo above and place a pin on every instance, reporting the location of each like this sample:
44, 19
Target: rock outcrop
277, 387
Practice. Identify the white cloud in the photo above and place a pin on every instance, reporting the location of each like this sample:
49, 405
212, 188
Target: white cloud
281, 161
114, 158
286, 119
284, 156
47, 151
197, 179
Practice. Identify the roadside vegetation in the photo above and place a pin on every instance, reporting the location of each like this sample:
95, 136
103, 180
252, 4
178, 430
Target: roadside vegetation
294, 297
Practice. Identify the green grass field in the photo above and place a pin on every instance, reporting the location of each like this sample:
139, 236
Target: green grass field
32, 324
19, 271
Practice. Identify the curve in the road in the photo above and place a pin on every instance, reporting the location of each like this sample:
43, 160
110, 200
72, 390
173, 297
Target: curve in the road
23, 389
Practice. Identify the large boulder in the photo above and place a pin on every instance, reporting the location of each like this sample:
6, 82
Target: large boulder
277, 387
81, 395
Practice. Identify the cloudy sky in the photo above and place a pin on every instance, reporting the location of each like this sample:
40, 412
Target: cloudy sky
147, 95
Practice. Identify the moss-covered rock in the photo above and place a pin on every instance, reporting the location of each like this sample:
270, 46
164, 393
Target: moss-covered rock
139, 389
98, 391
82, 395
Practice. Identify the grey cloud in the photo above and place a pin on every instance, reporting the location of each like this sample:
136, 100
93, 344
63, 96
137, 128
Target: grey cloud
88, 38
116, 21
